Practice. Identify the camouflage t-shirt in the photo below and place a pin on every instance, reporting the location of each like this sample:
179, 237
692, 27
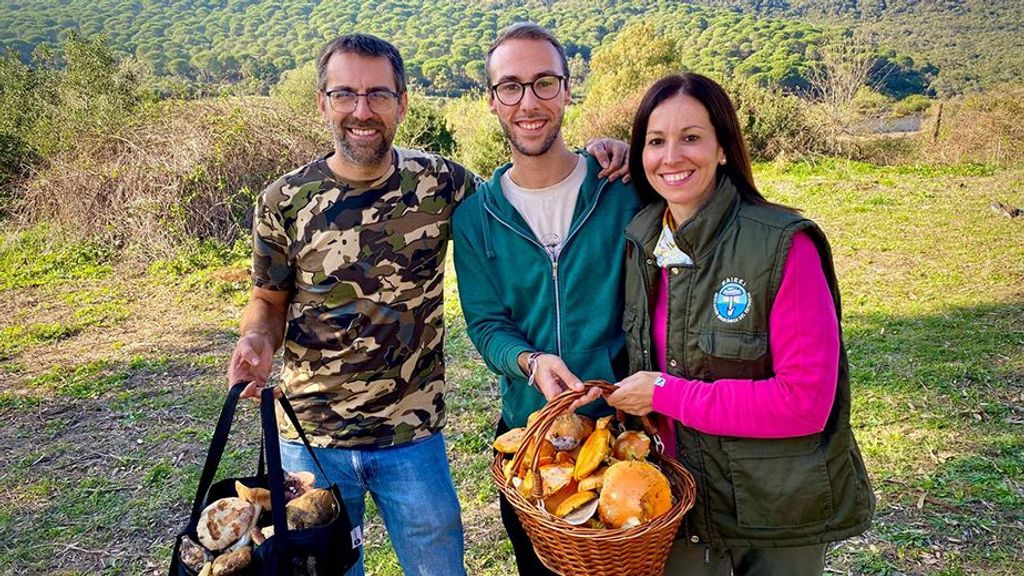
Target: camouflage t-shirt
363, 351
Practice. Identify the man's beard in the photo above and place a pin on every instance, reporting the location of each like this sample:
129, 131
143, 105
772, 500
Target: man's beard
362, 154
546, 145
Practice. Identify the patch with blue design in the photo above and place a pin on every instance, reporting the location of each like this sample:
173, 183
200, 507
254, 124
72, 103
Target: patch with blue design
732, 300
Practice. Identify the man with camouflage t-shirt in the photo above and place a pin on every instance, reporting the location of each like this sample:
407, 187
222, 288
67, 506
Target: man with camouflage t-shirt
348, 270
348, 264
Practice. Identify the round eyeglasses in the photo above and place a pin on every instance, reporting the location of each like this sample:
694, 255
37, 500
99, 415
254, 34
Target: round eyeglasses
511, 92
345, 101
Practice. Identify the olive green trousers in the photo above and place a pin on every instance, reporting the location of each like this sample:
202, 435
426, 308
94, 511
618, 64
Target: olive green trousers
689, 560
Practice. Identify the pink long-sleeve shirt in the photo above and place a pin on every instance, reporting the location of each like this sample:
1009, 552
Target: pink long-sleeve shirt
804, 342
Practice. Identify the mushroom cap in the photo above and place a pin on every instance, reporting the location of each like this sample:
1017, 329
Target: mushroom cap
298, 483
314, 508
547, 454
224, 522
634, 492
554, 477
193, 555
574, 501
595, 481
566, 432
232, 562
256, 495
552, 502
509, 442
594, 451
632, 445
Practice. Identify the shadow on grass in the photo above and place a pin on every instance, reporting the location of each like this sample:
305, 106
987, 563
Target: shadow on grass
939, 413
103, 460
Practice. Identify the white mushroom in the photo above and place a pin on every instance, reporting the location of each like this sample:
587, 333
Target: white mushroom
225, 521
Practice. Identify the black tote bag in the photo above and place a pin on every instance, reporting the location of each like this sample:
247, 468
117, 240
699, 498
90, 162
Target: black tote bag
326, 550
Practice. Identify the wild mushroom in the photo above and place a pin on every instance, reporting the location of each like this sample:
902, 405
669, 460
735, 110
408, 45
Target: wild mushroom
193, 555
632, 445
254, 495
298, 483
314, 508
226, 523
231, 562
634, 492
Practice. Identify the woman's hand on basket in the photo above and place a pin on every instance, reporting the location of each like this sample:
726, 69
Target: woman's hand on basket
634, 395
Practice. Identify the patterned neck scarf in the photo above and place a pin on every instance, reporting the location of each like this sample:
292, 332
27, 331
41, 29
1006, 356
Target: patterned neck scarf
666, 252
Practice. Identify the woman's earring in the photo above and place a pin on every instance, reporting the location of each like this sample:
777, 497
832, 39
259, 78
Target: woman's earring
722, 162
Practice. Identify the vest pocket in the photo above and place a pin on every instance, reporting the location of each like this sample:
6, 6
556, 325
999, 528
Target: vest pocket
779, 483
733, 354
733, 345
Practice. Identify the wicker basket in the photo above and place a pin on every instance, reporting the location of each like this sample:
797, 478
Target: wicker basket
576, 550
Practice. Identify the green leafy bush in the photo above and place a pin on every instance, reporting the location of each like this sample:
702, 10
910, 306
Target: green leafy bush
425, 126
481, 144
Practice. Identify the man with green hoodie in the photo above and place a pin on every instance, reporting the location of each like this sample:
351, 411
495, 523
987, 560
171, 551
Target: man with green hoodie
539, 251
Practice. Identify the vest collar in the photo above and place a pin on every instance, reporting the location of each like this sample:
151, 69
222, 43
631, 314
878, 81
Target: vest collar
697, 234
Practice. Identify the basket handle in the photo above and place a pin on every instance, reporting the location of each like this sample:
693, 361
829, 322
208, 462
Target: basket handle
552, 410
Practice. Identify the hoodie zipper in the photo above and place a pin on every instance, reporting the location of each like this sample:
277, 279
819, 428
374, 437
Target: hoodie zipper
553, 260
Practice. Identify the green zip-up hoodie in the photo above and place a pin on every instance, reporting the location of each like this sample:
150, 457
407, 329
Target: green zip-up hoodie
516, 299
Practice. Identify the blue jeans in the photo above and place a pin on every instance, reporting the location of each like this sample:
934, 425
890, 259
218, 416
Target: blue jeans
412, 487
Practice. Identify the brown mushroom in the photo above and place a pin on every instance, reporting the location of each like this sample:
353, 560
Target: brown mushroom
193, 555
254, 495
232, 562
314, 508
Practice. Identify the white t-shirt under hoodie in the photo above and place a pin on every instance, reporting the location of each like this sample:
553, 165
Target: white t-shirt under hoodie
548, 211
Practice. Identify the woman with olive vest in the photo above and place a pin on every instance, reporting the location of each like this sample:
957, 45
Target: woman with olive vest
732, 324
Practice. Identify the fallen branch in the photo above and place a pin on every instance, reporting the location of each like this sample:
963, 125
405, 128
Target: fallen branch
1006, 210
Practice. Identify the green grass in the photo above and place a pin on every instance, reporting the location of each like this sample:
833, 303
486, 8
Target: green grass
105, 449
37, 257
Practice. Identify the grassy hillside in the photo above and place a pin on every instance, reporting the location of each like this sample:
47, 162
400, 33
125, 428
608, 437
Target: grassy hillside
111, 377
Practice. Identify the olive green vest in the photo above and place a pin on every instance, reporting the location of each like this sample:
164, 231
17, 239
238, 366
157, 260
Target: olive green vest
750, 492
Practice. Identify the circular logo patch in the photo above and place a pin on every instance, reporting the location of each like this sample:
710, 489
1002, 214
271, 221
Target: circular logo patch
732, 301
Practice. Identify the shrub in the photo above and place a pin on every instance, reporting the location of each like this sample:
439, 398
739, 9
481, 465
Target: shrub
80, 93
480, 142
774, 123
297, 88
982, 128
913, 104
182, 173
425, 126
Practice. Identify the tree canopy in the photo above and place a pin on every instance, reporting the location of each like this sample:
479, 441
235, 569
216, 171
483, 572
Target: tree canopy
248, 45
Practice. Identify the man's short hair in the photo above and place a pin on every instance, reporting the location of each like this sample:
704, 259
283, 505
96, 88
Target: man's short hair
526, 31
364, 45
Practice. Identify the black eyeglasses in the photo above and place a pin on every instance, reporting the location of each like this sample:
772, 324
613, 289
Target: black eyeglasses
511, 92
380, 101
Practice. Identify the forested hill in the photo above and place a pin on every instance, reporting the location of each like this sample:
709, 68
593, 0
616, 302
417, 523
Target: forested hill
975, 43
248, 42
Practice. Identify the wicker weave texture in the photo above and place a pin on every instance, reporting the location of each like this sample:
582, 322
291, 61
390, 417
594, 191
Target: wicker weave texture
579, 551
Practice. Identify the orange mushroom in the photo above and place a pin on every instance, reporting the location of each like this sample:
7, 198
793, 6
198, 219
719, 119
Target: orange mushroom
634, 492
